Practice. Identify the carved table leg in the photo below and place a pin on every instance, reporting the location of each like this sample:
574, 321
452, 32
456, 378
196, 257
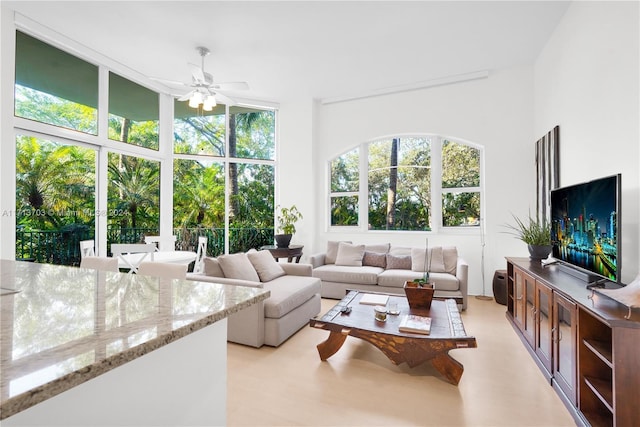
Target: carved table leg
449, 367
328, 348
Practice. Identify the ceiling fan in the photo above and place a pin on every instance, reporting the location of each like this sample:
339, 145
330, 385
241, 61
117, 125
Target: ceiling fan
204, 91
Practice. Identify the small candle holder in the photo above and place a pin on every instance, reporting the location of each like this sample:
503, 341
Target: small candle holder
380, 313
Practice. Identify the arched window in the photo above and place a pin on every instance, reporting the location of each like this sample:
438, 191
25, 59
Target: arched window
407, 183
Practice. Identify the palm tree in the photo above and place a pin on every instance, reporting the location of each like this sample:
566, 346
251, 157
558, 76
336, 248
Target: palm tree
136, 186
55, 183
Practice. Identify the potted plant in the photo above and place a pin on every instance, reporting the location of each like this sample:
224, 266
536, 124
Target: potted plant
536, 233
287, 218
419, 292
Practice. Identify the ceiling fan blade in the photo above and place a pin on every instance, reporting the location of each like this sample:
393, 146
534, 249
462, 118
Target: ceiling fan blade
186, 96
224, 99
169, 82
231, 86
197, 73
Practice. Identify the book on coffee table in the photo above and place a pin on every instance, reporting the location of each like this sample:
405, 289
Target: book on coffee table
415, 324
374, 299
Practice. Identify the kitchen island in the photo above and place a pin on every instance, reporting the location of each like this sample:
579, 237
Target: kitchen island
82, 347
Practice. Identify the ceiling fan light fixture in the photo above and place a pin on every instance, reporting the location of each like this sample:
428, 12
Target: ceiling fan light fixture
209, 103
195, 100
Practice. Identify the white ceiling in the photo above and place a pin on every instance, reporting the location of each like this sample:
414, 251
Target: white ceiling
321, 49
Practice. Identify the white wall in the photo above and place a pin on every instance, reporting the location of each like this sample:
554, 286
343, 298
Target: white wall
295, 166
495, 112
586, 81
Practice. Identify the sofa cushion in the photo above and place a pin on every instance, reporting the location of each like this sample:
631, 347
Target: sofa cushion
346, 274
212, 267
396, 279
398, 262
238, 266
374, 259
349, 254
400, 251
382, 248
289, 293
332, 251
265, 265
441, 259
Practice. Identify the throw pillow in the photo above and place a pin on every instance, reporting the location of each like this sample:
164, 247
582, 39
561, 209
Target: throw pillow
332, 252
418, 259
450, 255
373, 259
349, 254
238, 266
266, 266
212, 267
437, 260
398, 262
379, 248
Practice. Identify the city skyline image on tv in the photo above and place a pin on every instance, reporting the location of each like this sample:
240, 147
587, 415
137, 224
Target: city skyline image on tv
584, 226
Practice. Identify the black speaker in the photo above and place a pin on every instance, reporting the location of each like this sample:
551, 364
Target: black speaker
500, 286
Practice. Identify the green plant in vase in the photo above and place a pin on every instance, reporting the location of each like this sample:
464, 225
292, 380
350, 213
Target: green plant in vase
287, 218
536, 233
424, 280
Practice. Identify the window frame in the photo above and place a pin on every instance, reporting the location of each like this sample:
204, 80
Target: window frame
437, 191
101, 143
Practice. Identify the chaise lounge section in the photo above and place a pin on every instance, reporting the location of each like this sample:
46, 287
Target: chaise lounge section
294, 299
385, 268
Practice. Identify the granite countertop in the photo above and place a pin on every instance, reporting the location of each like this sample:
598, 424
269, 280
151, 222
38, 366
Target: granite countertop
62, 326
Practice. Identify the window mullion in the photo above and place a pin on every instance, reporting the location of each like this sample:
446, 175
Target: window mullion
363, 193
436, 184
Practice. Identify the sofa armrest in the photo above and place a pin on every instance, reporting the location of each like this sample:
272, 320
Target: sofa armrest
297, 269
223, 280
462, 273
317, 260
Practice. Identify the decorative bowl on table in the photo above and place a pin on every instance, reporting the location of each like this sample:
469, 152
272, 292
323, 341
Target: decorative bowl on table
419, 295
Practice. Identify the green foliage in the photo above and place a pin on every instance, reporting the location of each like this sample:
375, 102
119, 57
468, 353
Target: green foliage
134, 191
532, 231
287, 218
412, 192
55, 184
45, 108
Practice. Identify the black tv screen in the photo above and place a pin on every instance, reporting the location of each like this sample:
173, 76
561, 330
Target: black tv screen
585, 226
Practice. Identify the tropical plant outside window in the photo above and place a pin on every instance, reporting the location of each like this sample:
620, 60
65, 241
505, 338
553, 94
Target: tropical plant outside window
59, 175
401, 184
246, 165
55, 188
345, 184
460, 184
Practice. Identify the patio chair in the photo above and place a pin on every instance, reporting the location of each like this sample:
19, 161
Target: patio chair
100, 263
87, 248
165, 243
201, 252
130, 255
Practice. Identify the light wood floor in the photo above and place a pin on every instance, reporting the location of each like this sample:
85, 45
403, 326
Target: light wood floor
358, 386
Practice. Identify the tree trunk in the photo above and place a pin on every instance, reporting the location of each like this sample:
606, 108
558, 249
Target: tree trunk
393, 185
233, 168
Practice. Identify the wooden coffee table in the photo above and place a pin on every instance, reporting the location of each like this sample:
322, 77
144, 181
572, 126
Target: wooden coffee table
447, 333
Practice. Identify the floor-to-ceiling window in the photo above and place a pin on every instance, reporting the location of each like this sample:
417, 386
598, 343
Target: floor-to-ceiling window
93, 171
224, 176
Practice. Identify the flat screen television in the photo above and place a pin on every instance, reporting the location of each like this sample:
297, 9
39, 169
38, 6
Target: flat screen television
585, 227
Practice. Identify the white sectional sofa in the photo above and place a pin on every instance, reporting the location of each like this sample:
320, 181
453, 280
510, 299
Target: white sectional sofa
294, 299
385, 268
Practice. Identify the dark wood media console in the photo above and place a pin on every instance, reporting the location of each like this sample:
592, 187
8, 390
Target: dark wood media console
580, 340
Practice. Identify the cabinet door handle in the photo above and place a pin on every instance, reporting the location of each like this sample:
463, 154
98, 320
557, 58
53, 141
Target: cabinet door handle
559, 335
553, 335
